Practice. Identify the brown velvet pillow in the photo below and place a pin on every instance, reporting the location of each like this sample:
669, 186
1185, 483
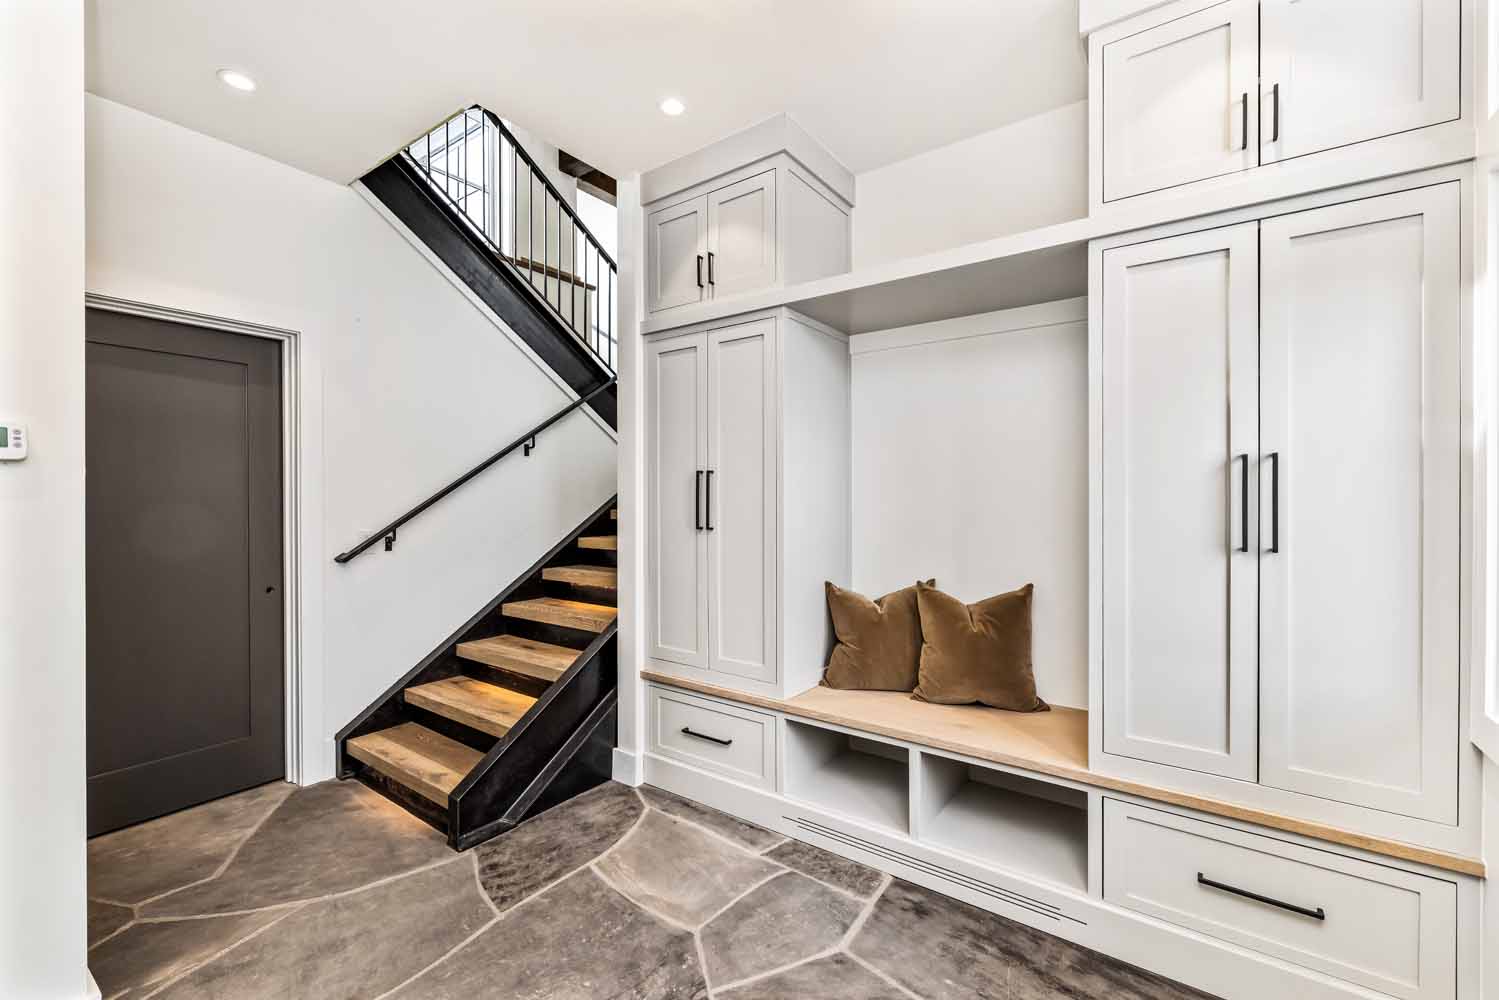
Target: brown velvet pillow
977, 652
879, 642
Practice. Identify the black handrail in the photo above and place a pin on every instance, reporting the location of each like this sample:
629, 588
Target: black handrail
498, 220
528, 439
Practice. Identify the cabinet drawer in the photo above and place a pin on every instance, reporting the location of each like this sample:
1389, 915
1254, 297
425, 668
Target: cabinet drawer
732, 741
1382, 928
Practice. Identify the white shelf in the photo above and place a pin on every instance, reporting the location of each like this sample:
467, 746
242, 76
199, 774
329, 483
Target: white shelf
857, 778
1006, 821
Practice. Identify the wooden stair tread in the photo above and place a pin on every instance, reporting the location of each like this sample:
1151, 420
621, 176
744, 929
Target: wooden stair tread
519, 655
614, 515
607, 542
557, 611
606, 577
488, 708
428, 763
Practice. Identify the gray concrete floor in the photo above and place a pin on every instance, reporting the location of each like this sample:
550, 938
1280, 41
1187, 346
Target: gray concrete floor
333, 892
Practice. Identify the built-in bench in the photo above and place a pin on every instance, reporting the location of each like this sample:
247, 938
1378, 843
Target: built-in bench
1045, 744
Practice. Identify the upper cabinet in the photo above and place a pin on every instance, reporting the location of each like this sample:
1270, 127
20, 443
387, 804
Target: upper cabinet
764, 208
1178, 100
1192, 91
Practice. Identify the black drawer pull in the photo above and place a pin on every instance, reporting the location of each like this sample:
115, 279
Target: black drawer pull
701, 736
1317, 914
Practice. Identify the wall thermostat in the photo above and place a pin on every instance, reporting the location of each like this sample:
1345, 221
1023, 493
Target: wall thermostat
12, 442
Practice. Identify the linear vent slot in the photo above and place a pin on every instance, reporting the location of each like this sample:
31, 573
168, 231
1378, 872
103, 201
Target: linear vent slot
1035, 906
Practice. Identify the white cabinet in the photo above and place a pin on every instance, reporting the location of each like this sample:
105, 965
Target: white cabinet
741, 239
1195, 90
741, 499
1178, 100
677, 443
676, 238
764, 225
1337, 72
729, 409
1360, 463
1179, 532
1280, 465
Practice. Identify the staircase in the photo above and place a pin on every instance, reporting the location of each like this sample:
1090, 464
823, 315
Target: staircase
513, 712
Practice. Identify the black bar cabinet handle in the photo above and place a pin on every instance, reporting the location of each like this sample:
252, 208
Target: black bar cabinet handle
710, 267
697, 500
1243, 461
704, 736
1317, 914
1275, 115
708, 500
700, 270
1245, 120
1275, 501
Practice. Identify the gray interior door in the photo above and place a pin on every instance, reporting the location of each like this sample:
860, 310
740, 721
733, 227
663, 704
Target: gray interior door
185, 616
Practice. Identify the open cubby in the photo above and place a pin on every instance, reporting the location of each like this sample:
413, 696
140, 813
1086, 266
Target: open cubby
862, 779
1005, 820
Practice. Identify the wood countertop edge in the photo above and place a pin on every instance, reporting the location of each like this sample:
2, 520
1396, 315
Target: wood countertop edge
1318, 831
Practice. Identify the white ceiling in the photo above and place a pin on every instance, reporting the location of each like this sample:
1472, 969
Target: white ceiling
344, 83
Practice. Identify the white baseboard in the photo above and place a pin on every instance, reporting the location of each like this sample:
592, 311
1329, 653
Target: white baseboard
627, 768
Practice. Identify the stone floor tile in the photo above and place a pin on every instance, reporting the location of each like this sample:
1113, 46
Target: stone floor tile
559, 841
327, 838
751, 836
836, 977
850, 876
134, 864
679, 872
151, 952
934, 946
106, 918
579, 940
349, 947
785, 920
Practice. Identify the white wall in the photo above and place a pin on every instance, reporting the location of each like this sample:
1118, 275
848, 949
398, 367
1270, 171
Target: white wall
1026, 175
41, 557
970, 464
406, 382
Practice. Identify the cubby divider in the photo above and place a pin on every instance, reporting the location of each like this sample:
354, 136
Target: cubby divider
1002, 819
865, 780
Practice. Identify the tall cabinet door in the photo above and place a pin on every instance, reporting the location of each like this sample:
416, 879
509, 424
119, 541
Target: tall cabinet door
741, 501
742, 235
676, 473
1342, 71
675, 245
1180, 100
1362, 437
1180, 434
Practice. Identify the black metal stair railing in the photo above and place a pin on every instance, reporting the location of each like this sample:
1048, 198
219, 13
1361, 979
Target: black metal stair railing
477, 164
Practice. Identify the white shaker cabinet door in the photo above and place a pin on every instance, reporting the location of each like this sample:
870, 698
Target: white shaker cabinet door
676, 242
1360, 515
1180, 101
1336, 72
742, 235
741, 500
1180, 420
676, 463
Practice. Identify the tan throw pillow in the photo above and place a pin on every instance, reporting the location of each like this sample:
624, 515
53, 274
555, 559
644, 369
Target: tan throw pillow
879, 642
977, 652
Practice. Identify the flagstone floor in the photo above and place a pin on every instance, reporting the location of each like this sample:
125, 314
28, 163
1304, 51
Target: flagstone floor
332, 892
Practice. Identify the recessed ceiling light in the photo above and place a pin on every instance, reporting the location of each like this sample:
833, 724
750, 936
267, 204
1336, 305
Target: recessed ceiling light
672, 106
237, 80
